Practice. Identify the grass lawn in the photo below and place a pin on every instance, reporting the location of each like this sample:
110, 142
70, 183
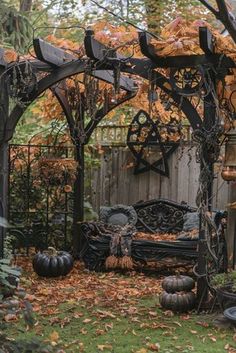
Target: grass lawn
94, 312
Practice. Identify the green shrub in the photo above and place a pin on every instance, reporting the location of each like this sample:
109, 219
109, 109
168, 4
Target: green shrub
9, 277
225, 280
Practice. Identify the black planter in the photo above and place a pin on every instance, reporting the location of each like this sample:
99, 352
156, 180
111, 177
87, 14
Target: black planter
226, 299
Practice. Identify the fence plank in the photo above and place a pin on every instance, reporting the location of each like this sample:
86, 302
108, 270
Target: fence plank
113, 181
193, 176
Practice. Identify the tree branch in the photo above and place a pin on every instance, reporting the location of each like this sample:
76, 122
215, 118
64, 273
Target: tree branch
25, 5
209, 7
227, 18
122, 19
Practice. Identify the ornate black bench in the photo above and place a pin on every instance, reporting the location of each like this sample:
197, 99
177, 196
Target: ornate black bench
161, 216
155, 216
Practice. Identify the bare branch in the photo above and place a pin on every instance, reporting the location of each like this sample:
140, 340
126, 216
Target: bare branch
227, 18
223, 9
122, 19
223, 14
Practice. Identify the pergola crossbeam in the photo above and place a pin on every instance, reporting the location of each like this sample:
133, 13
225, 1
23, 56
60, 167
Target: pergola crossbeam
206, 40
183, 61
50, 54
98, 51
126, 83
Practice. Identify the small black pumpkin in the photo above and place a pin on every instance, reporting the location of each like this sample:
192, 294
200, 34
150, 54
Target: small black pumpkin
177, 302
53, 263
178, 283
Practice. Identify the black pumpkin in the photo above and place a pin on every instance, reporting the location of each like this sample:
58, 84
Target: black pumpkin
177, 302
178, 283
52, 264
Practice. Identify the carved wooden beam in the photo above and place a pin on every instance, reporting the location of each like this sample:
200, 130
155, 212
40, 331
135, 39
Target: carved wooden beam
98, 51
147, 49
183, 61
126, 83
206, 40
52, 55
55, 56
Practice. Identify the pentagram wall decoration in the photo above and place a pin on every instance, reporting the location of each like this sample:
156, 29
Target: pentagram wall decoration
146, 144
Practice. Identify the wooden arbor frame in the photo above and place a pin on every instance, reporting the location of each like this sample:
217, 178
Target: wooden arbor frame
57, 65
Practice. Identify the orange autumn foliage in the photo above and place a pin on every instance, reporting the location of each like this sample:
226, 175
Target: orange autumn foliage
9, 56
180, 37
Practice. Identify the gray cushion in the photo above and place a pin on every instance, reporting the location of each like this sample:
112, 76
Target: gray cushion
191, 221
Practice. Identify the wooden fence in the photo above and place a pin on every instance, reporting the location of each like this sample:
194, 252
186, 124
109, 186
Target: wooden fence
113, 182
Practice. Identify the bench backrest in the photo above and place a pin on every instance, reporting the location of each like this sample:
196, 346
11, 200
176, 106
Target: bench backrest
161, 215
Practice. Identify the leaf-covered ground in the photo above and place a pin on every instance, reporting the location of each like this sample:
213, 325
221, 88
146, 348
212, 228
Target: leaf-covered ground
110, 312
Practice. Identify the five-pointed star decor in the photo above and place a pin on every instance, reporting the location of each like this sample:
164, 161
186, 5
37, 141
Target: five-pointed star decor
145, 142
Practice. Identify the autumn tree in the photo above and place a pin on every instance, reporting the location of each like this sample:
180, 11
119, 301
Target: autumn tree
20, 18
159, 13
147, 14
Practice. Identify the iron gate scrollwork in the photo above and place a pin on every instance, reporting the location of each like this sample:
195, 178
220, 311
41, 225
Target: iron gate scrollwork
41, 181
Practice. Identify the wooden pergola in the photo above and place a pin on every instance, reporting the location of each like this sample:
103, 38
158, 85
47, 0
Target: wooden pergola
27, 80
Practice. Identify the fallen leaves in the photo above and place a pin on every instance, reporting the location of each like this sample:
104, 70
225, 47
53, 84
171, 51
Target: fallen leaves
96, 304
212, 337
142, 350
108, 326
185, 317
83, 286
194, 332
202, 323
102, 347
105, 314
177, 323
134, 333
229, 349
155, 236
100, 332
154, 347
77, 315
83, 331
9, 56
10, 317
153, 313
86, 321
54, 337
168, 313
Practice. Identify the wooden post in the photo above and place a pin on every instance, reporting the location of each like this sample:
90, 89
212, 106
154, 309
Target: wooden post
231, 227
78, 209
208, 123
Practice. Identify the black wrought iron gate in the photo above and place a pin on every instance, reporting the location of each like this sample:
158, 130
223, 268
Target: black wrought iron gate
41, 179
